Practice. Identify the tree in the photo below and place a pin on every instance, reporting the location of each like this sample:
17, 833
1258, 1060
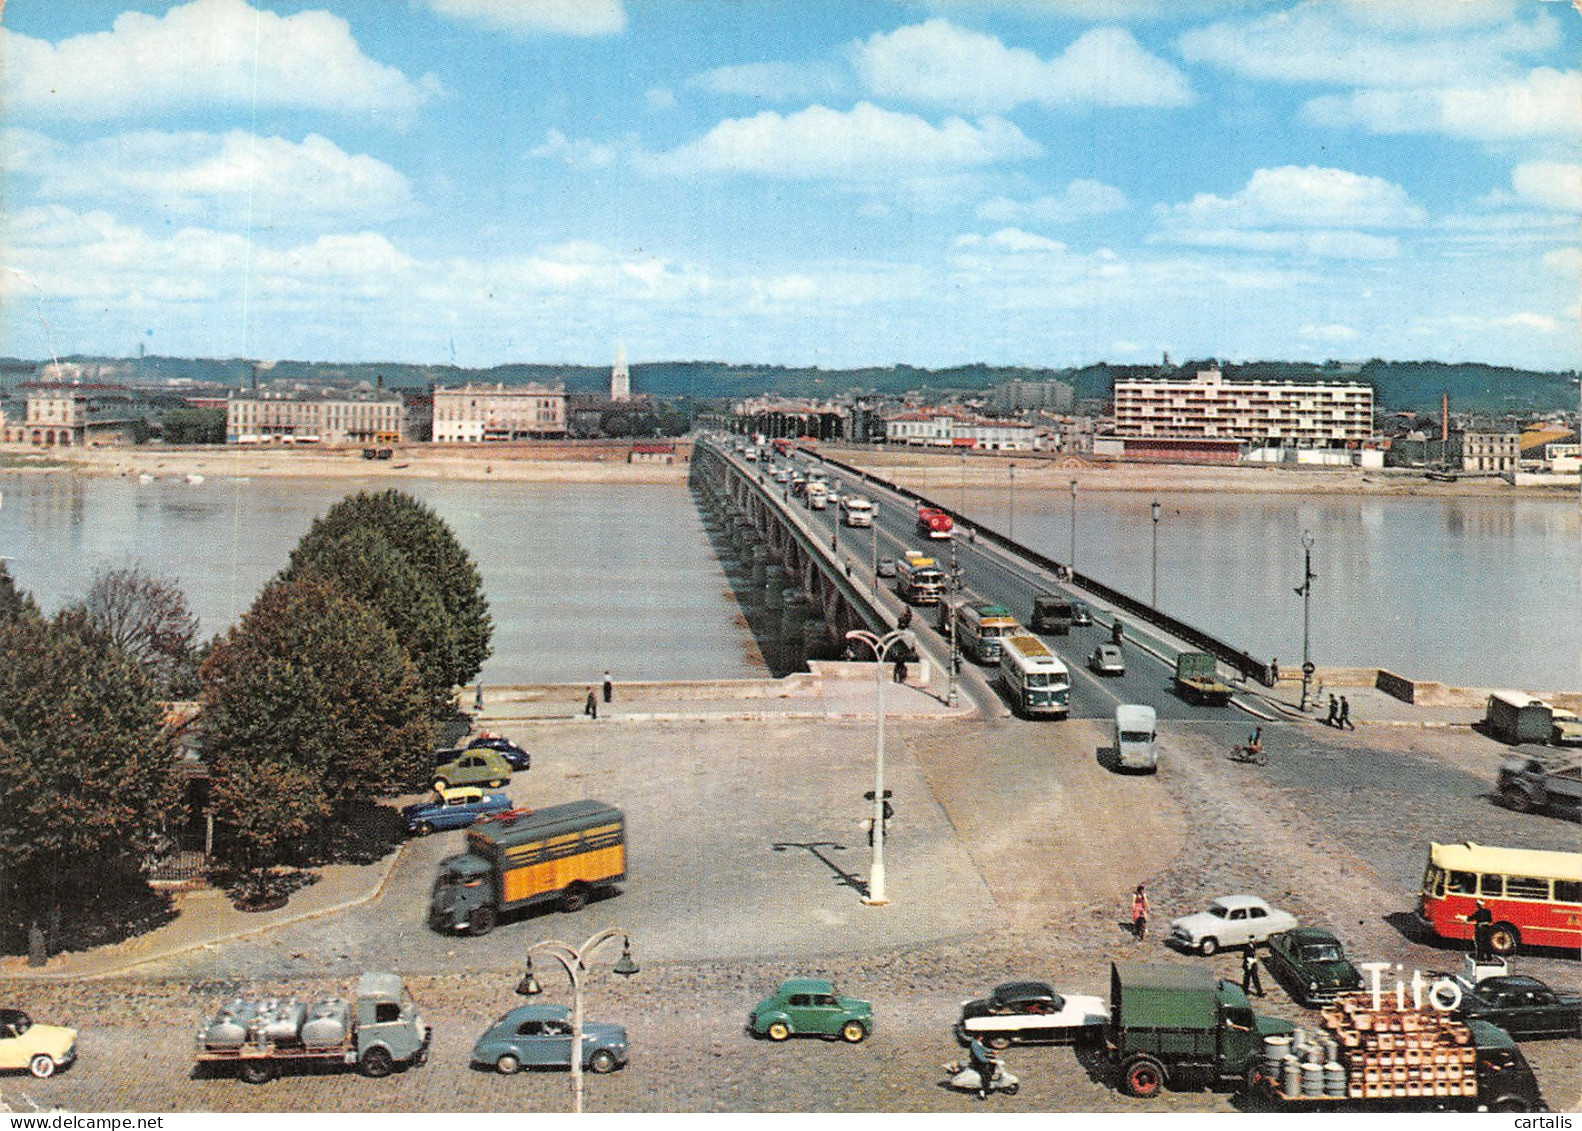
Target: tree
87, 772
422, 537
313, 680
148, 619
194, 426
365, 566
264, 809
14, 602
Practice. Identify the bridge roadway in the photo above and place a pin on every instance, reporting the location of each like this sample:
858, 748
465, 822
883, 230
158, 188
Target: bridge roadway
989, 574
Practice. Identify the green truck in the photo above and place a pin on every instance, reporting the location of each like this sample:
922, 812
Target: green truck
1179, 1026
1197, 680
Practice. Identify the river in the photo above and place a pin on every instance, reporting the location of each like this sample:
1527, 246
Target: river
1483, 592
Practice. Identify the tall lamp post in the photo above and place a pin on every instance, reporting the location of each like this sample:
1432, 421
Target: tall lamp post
1010, 471
575, 961
880, 646
955, 641
1155, 601
1305, 591
1072, 560
874, 529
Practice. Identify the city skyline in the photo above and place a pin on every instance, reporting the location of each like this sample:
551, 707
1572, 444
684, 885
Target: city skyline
1008, 181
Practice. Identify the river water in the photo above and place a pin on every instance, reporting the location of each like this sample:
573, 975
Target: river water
580, 577
583, 577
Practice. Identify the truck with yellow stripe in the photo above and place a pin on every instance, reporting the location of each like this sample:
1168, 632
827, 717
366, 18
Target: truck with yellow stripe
563, 854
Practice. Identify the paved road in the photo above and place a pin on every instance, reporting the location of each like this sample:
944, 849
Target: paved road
989, 574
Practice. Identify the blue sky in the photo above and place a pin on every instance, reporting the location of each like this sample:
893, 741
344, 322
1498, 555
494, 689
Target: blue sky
830, 182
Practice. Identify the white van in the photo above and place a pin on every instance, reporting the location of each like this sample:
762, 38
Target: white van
1136, 730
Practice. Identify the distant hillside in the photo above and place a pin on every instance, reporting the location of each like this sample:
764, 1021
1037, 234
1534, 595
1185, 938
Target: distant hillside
1398, 385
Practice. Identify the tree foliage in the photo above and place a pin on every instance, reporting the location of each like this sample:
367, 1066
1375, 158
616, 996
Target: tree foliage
87, 772
419, 535
267, 809
14, 602
314, 681
194, 426
148, 619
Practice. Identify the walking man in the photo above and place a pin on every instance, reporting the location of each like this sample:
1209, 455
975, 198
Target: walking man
900, 669
1345, 715
1251, 980
591, 707
1139, 914
1334, 713
1274, 671
609, 687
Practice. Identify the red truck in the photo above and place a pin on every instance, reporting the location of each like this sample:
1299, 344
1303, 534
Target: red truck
933, 523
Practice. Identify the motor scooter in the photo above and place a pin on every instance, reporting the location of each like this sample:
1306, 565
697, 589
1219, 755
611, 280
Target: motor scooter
964, 1078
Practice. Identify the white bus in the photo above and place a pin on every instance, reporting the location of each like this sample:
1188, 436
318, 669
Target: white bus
856, 511
1034, 678
982, 628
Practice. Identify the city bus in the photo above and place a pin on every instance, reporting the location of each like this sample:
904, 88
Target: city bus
980, 628
1033, 677
1535, 897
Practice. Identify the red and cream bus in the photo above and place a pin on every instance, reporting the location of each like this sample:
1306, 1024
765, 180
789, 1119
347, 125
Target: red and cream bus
1535, 897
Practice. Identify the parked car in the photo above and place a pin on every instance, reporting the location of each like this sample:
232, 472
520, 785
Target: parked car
453, 808
1030, 1011
1565, 727
1523, 1006
1107, 659
810, 1006
886, 567
539, 1036
41, 1049
1230, 920
519, 760
1312, 965
473, 767
1080, 613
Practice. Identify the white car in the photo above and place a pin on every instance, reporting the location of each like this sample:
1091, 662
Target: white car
1030, 1011
1231, 920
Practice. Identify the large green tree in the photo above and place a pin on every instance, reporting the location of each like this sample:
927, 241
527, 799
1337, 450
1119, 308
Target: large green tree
313, 680
419, 535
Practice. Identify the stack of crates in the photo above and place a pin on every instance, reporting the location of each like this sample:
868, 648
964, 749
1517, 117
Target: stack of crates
1390, 1052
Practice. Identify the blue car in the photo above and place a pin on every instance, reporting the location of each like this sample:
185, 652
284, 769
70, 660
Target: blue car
539, 1036
518, 758
453, 808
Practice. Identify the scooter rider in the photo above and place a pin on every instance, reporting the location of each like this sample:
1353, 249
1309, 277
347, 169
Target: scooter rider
985, 1064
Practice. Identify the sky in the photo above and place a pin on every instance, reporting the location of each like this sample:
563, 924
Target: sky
801, 182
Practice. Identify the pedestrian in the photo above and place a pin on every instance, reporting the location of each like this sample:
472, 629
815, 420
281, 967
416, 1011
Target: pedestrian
1116, 632
985, 1064
1334, 713
1345, 715
1482, 921
1139, 914
477, 700
900, 669
591, 707
1274, 671
904, 621
609, 687
1251, 980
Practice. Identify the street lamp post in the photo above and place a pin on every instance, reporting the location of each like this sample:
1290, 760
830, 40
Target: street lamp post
1155, 601
1071, 562
955, 641
1305, 591
874, 529
1010, 471
880, 646
961, 499
574, 959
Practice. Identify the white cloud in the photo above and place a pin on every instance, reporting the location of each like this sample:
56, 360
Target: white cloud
1551, 184
659, 98
234, 177
1334, 332
1303, 197
1089, 11
942, 63
1543, 104
1012, 240
864, 143
1565, 259
579, 154
199, 55
774, 82
1326, 244
1080, 198
538, 17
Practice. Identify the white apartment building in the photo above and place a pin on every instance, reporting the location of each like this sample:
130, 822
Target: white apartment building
1490, 451
1285, 415
944, 430
475, 414
264, 418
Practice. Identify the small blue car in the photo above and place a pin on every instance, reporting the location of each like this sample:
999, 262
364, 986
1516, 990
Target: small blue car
519, 759
453, 808
539, 1036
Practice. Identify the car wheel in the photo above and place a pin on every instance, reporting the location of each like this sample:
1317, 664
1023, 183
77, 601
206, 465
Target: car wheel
42, 1066
507, 1065
496, 783
779, 1031
482, 921
1142, 1076
998, 1042
425, 828
377, 1062
1504, 939
573, 899
440, 783
1208, 946
853, 1032
257, 1071
1516, 799
601, 1062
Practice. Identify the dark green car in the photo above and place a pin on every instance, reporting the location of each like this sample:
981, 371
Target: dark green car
810, 1006
1312, 965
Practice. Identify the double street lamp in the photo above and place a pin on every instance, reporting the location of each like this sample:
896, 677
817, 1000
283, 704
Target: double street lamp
1071, 562
575, 961
1155, 601
880, 646
1305, 591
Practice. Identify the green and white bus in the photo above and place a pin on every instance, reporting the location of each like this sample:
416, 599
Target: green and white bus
1034, 677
